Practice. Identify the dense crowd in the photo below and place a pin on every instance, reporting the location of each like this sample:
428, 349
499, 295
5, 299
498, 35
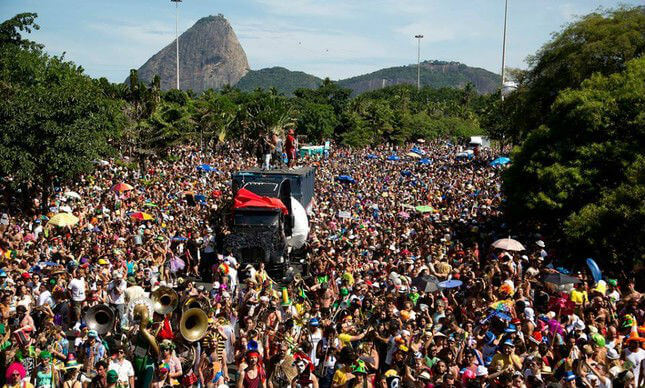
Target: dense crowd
400, 288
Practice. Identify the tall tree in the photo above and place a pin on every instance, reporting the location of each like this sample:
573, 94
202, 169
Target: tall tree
599, 42
583, 169
55, 120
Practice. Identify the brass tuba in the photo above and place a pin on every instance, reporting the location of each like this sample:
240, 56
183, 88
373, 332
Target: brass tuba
193, 324
100, 318
196, 302
164, 300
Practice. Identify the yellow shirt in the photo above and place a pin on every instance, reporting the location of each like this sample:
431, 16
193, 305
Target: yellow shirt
344, 339
19, 385
501, 361
340, 376
578, 297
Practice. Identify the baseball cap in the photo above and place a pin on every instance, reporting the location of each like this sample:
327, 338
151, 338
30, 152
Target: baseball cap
509, 342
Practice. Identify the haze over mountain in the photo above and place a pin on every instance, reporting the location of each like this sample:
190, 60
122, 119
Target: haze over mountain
210, 56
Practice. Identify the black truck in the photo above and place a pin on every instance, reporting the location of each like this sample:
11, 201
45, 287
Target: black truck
264, 234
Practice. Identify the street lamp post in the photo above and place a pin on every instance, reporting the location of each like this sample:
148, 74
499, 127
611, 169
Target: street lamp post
177, 36
504, 48
419, 61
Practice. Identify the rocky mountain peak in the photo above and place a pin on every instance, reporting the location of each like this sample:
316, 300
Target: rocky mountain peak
210, 56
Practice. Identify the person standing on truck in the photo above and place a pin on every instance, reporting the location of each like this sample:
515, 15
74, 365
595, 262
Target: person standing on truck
277, 148
290, 147
266, 148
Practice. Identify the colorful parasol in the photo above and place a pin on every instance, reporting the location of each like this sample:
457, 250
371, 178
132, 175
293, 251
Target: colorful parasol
121, 187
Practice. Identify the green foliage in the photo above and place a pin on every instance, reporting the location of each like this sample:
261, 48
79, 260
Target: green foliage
583, 167
55, 120
214, 115
598, 42
10, 31
435, 74
316, 121
284, 80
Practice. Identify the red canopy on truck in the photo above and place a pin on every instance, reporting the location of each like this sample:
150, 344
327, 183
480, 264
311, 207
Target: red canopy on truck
246, 198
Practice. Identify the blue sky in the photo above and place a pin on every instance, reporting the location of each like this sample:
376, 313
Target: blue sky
335, 38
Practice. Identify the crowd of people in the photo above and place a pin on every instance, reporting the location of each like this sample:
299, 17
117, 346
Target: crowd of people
400, 288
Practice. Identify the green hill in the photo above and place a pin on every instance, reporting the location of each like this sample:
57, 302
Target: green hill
285, 80
433, 73
437, 74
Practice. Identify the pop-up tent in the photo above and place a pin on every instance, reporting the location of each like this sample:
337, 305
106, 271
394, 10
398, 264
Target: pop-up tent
246, 198
502, 160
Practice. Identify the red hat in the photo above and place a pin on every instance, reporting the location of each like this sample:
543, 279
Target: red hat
26, 275
516, 321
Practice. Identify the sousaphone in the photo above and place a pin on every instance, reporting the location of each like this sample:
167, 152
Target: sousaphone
193, 324
140, 308
100, 318
196, 302
164, 300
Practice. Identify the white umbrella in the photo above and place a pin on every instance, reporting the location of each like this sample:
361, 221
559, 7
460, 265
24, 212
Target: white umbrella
72, 194
508, 244
65, 209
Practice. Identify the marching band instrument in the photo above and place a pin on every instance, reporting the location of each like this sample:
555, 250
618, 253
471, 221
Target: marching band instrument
164, 300
196, 302
193, 324
100, 318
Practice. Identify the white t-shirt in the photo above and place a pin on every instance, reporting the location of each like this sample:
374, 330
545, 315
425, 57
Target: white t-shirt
231, 261
635, 358
45, 297
77, 288
117, 291
123, 368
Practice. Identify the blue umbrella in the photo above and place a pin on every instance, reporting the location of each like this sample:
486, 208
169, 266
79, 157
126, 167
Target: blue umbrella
425, 161
206, 167
200, 197
345, 179
393, 157
372, 156
417, 150
502, 160
595, 270
450, 283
